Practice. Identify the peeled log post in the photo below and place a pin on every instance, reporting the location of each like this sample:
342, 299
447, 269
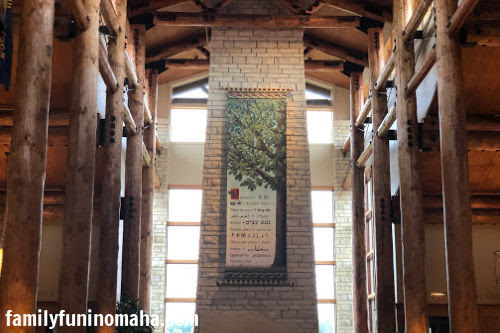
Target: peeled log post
80, 172
110, 18
148, 188
80, 14
462, 297
133, 173
107, 74
358, 214
381, 177
26, 162
412, 222
111, 185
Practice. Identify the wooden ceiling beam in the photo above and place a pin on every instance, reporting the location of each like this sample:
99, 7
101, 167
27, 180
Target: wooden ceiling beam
476, 141
174, 48
479, 216
477, 201
261, 21
336, 50
475, 123
57, 118
289, 5
57, 136
315, 7
483, 34
323, 65
222, 3
362, 8
203, 64
152, 6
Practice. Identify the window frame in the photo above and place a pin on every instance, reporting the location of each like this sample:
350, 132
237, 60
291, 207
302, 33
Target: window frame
184, 300
333, 263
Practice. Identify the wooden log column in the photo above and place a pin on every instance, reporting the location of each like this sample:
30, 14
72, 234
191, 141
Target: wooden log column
148, 193
111, 186
462, 297
133, 173
27, 160
358, 212
412, 223
80, 172
384, 296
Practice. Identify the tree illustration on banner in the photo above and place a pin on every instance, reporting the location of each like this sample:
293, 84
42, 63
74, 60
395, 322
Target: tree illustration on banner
257, 153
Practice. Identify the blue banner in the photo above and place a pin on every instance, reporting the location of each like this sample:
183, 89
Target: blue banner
5, 42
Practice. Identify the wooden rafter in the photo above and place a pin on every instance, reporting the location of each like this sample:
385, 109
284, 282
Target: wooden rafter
262, 21
203, 64
289, 5
222, 3
200, 5
362, 8
171, 49
336, 50
315, 7
152, 6
203, 51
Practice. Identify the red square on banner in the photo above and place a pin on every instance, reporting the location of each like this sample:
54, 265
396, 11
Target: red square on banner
235, 193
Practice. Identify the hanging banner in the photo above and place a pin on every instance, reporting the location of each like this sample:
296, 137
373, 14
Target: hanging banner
256, 182
5, 42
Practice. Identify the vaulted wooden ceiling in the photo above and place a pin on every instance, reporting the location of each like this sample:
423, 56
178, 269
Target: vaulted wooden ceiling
481, 70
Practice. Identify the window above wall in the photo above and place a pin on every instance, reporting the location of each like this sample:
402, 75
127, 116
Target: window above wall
316, 95
191, 93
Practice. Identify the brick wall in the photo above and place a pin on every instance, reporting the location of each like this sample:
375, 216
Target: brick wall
160, 217
343, 243
255, 58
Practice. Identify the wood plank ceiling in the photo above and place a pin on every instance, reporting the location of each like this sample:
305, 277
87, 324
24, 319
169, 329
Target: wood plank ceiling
481, 85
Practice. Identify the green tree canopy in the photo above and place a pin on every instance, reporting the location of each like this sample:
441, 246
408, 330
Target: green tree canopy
257, 142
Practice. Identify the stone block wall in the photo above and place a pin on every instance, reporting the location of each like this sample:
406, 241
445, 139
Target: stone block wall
343, 233
160, 216
257, 58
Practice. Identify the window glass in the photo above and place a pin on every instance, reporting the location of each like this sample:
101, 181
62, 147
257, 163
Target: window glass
326, 317
179, 317
322, 206
182, 280
183, 243
323, 244
320, 126
184, 205
188, 125
325, 285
